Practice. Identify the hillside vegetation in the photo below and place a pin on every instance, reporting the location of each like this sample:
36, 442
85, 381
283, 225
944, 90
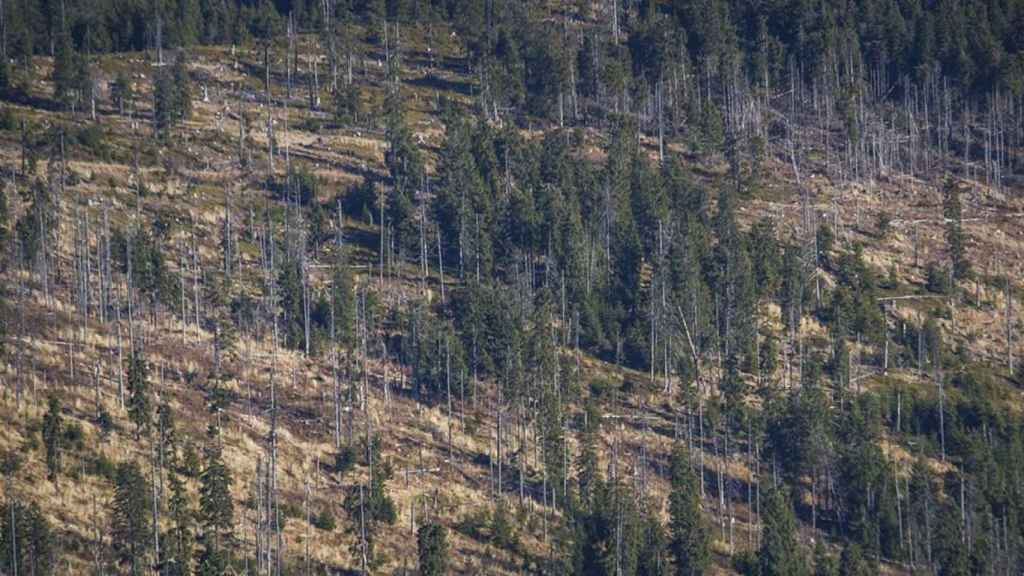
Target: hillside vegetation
617, 287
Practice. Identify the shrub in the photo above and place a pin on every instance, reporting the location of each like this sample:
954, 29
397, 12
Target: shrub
7, 119
102, 467
937, 279
344, 460
324, 520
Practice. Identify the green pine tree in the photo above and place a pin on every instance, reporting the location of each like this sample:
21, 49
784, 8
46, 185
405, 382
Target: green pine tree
432, 542
182, 88
854, 563
370, 507
53, 431
216, 508
130, 528
689, 539
64, 72
780, 553
343, 304
955, 239
164, 116
179, 538
138, 394
28, 544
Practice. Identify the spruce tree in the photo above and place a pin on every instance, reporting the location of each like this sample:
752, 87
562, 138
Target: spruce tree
64, 72
689, 538
348, 104
343, 304
5, 78
121, 92
951, 555
432, 541
953, 214
163, 102
369, 506
854, 563
780, 553
179, 538
181, 89
130, 525
216, 508
53, 431
825, 564
138, 394
27, 542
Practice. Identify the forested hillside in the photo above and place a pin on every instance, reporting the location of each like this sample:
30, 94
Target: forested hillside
587, 287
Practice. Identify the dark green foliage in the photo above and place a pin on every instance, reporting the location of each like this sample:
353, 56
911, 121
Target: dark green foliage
799, 428
53, 437
149, 271
503, 532
955, 238
27, 542
38, 226
179, 539
139, 408
781, 553
438, 359
689, 538
462, 205
344, 460
216, 508
432, 541
348, 105
825, 564
121, 91
172, 94
291, 290
951, 555
64, 72
854, 563
5, 78
407, 175
653, 558
130, 523
368, 505
937, 278
324, 520
342, 303
301, 187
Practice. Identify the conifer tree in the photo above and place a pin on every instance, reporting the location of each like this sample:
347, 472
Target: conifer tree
432, 541
854, 563
780, 553
689, 538
163, 102
182, 88
121, 92
348, 104
951, 555
138, 394
27, 542
953, 214
342, 301
216, 508
130, 525
53, 432
825, 564
370, 507
5, 78
179, 538
64, 72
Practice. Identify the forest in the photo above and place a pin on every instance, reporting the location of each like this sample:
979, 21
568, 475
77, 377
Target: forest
562, 287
